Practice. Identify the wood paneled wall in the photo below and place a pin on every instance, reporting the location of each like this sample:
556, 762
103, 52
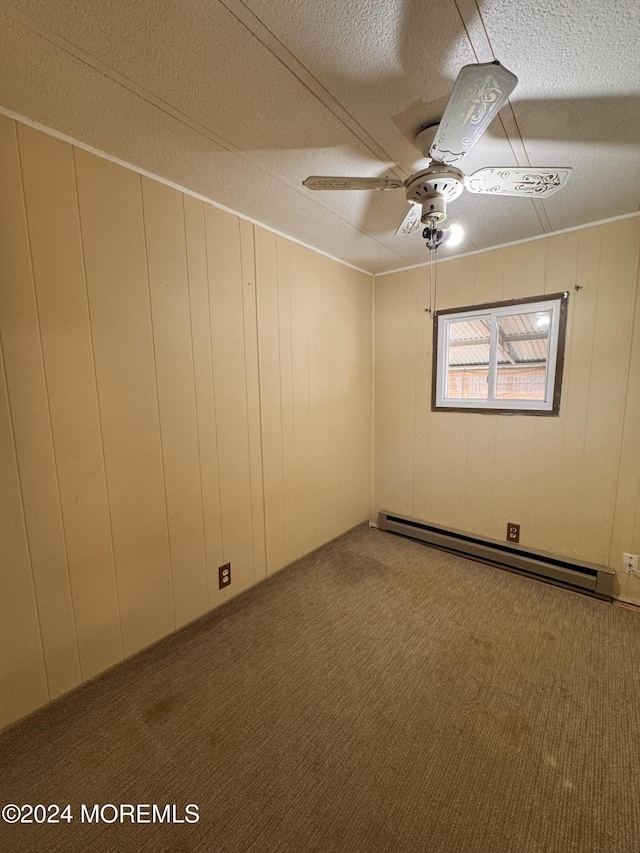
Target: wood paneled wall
178, 389
572, 482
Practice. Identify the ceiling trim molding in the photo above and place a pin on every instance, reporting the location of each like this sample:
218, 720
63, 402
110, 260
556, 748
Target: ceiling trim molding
98, 153
149, 97
475, 29
266, 37
513, 243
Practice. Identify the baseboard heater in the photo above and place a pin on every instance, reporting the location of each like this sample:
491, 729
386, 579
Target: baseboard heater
587, 577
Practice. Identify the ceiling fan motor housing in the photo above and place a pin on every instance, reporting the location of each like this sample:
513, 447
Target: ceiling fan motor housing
433, 188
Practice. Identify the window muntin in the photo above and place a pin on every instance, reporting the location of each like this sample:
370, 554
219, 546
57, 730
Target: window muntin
501, 357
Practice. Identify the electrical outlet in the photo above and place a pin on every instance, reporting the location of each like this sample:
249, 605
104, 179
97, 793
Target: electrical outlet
513, 532
630, 562
224, 575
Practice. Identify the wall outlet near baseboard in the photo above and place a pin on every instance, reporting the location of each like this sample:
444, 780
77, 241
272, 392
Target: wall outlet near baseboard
513, 532
630, 562
224, 575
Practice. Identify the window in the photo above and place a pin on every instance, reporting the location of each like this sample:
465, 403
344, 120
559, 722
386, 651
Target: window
501, 357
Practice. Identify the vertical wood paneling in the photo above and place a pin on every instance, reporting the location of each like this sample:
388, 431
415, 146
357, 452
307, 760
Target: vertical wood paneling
28, 399
116, 269
546, 519
459, 472
407, 412
626, 531
171, 317
482, 483
461, 421
389, 389
440, 430
466, 280
616, 290
360, 453
515, 465
270, 398
335, 300
334, 313
543, 519
205, 400
577, 384
285, 339
152, 400
54, 228
319, 322
252, 373
557, 477
315, 382
230, 384
23, 680
514, 452
348, 296
301, 403
561, 267
424, 338
488, 279
275, 339
524, 267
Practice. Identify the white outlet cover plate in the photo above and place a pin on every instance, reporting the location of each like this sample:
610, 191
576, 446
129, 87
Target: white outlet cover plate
630, 563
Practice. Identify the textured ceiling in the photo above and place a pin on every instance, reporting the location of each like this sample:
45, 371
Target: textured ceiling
240, 101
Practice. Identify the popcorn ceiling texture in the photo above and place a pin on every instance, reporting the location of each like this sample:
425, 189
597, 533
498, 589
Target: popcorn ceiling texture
240, 102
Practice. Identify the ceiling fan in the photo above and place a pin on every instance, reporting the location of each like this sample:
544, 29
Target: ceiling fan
479, 93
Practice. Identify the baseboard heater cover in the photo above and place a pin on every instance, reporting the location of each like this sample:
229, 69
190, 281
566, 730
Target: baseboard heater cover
588, 577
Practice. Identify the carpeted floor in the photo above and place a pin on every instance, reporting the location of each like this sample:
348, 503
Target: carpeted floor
376, 697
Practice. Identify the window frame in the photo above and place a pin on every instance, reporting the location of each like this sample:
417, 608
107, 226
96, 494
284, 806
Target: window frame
556, 302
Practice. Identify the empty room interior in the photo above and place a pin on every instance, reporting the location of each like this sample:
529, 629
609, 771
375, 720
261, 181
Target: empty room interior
320, 426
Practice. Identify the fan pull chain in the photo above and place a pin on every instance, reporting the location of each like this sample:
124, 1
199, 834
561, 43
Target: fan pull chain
433, 286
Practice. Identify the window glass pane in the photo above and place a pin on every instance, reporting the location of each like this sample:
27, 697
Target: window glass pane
523, 348
468, 367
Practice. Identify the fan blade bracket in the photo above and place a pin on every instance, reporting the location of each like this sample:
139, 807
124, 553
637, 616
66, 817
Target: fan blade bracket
412, 220
326, 182
479, 93
536, 182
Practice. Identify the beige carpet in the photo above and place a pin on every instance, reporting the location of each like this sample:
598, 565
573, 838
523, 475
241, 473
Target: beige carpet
377, 696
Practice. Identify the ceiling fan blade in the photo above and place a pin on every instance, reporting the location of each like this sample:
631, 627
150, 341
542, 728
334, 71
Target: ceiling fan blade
411, 221
538, 182
479, 94
322, 182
